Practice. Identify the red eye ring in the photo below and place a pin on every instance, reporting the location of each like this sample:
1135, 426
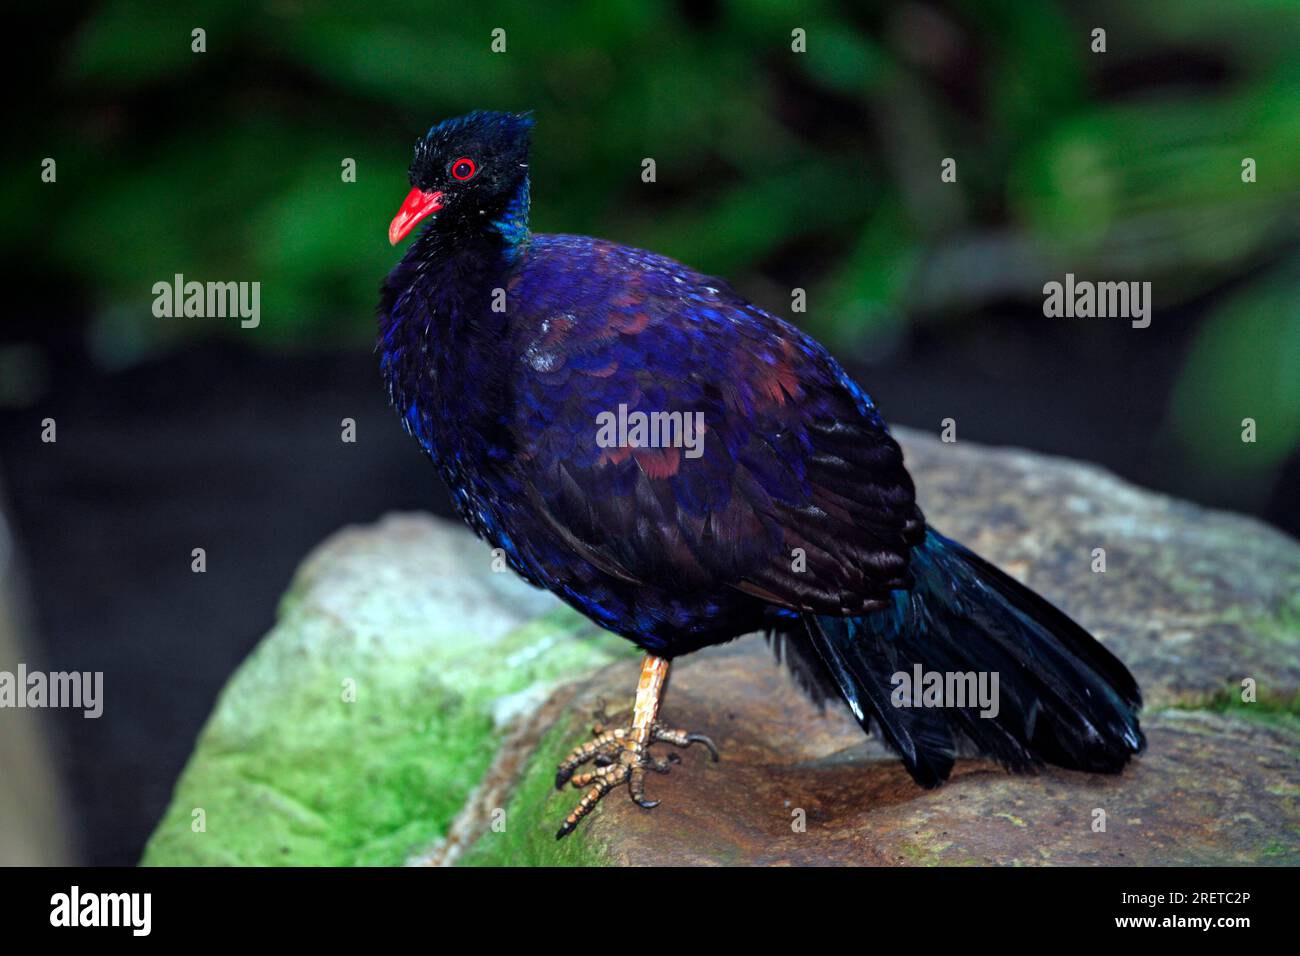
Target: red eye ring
459, 172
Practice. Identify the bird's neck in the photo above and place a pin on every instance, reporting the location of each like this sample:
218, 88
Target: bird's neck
443, 342
512, 225
453, 263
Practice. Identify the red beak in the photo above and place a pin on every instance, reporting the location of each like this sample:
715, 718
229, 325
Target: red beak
415, 207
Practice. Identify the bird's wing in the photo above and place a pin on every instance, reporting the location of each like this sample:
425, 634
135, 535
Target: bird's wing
794, 492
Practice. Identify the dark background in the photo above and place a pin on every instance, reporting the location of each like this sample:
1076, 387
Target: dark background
775, 169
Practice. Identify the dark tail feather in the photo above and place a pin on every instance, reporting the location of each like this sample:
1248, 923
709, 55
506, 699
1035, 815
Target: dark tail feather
1062, 697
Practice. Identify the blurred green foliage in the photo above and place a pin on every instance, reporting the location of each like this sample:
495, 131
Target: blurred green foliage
774, 168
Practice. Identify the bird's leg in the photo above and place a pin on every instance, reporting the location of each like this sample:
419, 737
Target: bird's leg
645, 710
622, 754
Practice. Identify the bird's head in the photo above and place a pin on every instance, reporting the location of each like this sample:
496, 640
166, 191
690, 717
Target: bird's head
468, 171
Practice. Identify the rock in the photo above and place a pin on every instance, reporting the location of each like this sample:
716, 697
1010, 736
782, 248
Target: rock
362, 723
1212, 788
470, 687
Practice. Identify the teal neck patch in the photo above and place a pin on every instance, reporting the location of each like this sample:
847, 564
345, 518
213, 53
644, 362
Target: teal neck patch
513, 224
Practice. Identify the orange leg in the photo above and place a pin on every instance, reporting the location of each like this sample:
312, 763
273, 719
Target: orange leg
622, 755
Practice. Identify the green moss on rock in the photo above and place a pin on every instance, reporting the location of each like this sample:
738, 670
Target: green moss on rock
534, 812
354, 732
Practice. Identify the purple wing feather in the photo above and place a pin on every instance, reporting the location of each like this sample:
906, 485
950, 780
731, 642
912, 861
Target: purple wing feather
794, 455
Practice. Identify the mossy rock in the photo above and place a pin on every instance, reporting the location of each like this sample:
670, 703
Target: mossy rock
357, 729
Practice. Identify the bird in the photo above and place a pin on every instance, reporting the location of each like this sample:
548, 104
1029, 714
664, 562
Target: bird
684, 468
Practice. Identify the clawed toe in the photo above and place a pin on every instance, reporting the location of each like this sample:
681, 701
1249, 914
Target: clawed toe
619, 759
681, 738
621, 755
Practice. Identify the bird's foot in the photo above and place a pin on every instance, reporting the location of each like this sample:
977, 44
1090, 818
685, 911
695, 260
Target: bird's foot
619, 759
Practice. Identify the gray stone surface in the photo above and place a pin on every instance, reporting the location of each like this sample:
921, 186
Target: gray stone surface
1211, 788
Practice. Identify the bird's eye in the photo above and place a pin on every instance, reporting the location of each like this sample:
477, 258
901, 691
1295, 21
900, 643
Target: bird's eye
463, 169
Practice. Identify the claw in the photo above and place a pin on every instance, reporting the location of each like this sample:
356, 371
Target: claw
707, 741
621, 755
680, 738
602, 746
604, 782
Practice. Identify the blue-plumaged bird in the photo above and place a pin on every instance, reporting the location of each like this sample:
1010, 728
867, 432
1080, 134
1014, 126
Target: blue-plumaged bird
684, 468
